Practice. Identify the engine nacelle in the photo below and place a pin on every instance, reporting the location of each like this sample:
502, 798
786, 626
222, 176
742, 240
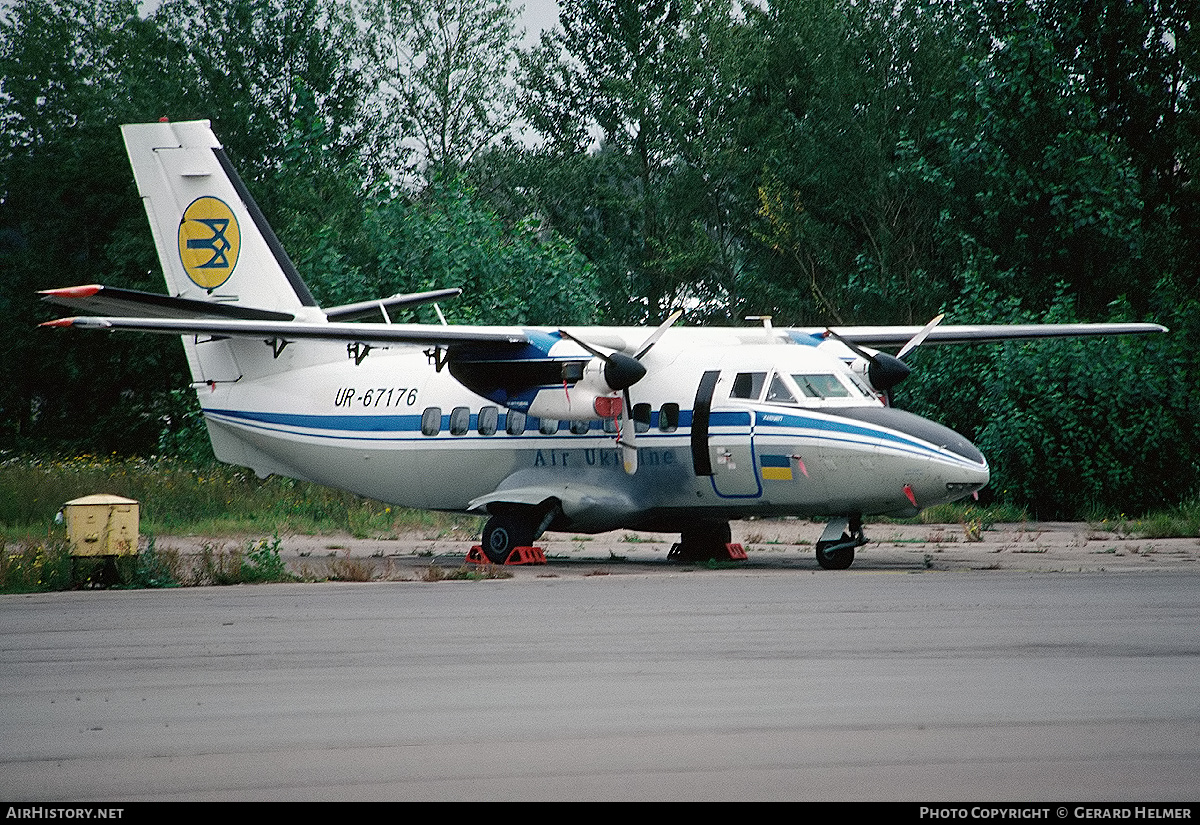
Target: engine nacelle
881, 372
589, 398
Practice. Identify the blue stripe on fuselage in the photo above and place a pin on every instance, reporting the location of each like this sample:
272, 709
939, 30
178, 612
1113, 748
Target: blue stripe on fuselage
348, 426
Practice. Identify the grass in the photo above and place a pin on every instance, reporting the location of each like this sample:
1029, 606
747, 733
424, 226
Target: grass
177, 497
466, 572
973, 515
1179, 521
32, 566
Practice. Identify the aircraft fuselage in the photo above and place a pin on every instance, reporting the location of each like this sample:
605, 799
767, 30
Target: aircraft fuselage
722, 432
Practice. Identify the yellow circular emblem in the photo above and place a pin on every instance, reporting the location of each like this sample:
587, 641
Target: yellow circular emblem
209, 242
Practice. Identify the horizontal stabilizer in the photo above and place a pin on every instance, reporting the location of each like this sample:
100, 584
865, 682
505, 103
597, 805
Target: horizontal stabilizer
130, 303
379, 308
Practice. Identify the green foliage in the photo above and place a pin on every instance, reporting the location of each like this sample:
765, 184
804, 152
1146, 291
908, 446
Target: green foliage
154, 568
817, 160
844, 103
262, 563
649, 202
35, 565
1066, 423
446, 238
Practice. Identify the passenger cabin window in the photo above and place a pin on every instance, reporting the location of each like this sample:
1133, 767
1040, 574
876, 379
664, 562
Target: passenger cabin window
641, 418
549, 426
611, 425
460, 420
668, 418
489, 418
515, 425
580, 427
431, 421
748, 385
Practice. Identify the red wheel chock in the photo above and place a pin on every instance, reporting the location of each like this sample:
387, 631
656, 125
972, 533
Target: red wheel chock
519, 555
736, 552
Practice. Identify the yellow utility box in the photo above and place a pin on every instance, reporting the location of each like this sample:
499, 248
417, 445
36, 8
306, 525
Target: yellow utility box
102, 525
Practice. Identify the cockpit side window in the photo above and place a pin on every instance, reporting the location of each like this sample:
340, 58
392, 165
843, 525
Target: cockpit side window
748, 385
779, 392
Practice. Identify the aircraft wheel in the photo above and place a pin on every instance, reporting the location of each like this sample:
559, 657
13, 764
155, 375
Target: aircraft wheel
703, 541
835, 555
502, 533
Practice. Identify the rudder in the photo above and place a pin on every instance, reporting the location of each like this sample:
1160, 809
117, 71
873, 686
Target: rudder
212, 240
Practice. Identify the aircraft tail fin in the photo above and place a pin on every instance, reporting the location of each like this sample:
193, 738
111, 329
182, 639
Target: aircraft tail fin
213, 241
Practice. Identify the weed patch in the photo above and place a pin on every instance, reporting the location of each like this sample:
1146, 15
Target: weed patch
204, 499
347, 569
35, 566
478, 572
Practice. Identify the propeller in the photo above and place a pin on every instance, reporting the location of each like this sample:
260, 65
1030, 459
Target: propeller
886, 371
621, 372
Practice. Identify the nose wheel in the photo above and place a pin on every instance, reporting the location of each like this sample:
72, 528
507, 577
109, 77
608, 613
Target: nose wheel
835, 548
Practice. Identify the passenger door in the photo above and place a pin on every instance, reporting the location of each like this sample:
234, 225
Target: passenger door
723, 439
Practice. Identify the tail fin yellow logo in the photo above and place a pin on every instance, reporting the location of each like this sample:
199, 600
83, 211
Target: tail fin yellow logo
209, 242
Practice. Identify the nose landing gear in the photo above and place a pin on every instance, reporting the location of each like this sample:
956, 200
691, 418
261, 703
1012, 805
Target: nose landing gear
842, 536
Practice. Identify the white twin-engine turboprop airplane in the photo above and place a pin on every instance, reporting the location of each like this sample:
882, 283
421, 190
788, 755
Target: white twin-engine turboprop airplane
588, 429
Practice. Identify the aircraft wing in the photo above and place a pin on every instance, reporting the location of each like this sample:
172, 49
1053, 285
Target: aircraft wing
982, 333
303, 330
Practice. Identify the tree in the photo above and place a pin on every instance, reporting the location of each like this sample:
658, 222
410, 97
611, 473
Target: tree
618, 94
70, 72
841, 106
1037, 181
444, 70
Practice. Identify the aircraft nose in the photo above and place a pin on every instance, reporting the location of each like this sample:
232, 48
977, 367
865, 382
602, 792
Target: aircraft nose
922, 429
953, 479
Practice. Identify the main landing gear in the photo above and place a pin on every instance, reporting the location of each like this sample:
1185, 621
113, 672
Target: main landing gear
702, 541
842, 536
514, 526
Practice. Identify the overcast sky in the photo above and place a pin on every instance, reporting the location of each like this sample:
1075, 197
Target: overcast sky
539, 14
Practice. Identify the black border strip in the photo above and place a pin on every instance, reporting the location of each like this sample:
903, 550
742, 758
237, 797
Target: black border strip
260, 220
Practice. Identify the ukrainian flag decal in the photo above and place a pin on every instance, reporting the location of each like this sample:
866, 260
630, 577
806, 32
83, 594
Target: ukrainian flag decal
209, 242
776, 467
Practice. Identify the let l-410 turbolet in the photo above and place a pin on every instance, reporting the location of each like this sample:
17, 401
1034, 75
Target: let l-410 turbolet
587, 429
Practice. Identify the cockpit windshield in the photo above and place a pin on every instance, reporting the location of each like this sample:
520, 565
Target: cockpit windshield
821, 385
800, 388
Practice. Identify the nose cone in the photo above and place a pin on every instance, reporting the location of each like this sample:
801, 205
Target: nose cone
954, 467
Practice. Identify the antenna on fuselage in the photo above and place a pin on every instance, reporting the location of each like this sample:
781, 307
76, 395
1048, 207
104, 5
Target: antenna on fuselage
766, 322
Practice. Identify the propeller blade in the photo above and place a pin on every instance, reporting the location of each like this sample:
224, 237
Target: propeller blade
626, 439
853, 347
599, 353
885, 371
916, 340
621, 372
658, 333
